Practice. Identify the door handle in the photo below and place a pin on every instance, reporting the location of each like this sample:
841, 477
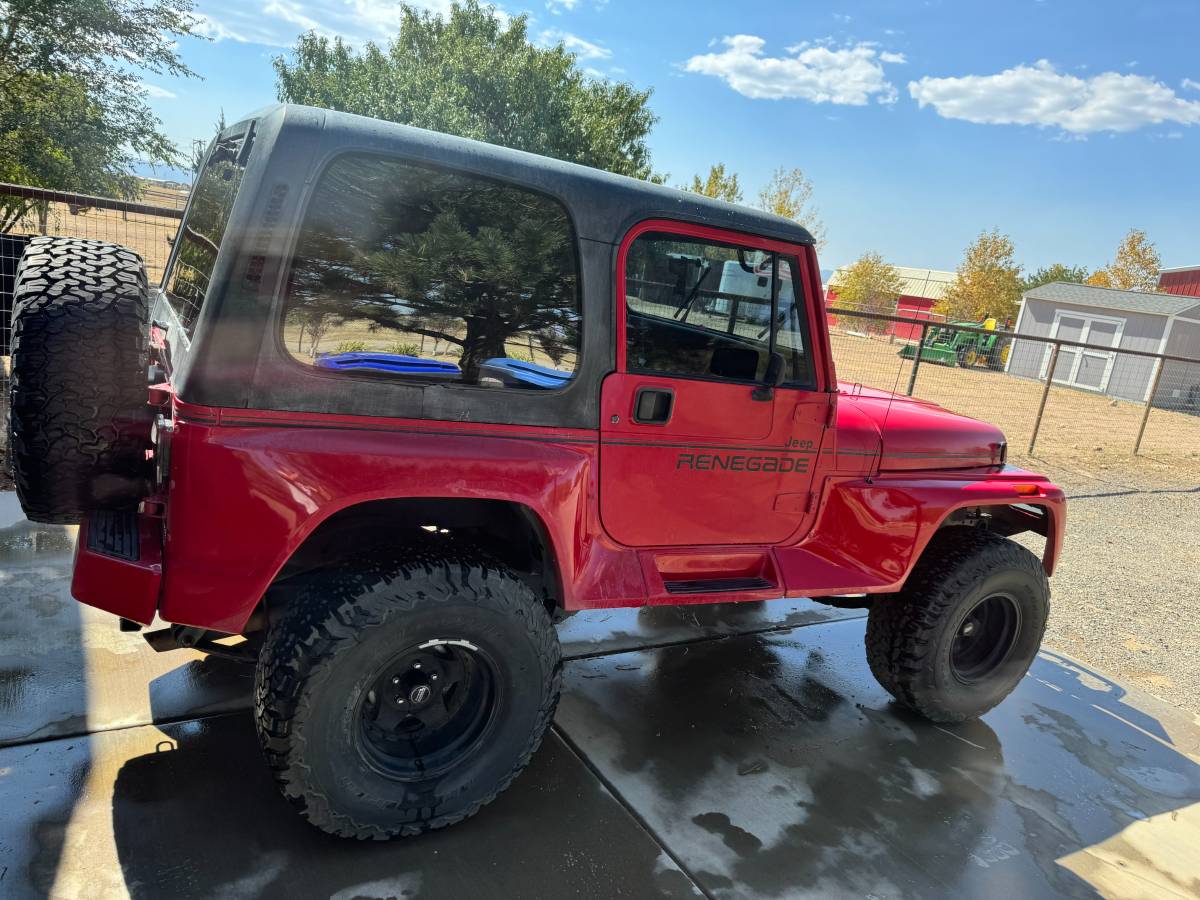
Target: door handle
652, 406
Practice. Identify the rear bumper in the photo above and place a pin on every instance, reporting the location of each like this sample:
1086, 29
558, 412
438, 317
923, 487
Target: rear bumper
118, 564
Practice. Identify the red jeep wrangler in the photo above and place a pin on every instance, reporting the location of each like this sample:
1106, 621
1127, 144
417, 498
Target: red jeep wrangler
404, 399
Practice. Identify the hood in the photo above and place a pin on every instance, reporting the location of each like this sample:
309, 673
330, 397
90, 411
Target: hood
916, 434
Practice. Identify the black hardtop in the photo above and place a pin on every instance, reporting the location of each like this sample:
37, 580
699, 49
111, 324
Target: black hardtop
602, 204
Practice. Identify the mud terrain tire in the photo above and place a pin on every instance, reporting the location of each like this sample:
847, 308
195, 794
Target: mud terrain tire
928, 645
79, 334
344, 632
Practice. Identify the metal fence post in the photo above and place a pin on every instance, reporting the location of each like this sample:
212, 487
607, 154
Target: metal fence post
1037, 423
1149, 403
912, 378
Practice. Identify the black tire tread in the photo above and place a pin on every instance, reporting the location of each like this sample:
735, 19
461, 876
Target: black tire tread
900, 635
335, 606
79, 353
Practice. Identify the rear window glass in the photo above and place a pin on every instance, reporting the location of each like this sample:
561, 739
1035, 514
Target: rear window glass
409, 272
202, 230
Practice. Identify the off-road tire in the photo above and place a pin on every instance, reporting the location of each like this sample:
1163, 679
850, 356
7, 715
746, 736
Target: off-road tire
319, 657
909, 635
79, 354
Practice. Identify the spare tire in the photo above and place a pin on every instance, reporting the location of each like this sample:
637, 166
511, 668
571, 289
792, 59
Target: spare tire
78, 403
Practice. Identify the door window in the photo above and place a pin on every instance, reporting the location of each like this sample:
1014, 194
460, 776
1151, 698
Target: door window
697, 308
410, 272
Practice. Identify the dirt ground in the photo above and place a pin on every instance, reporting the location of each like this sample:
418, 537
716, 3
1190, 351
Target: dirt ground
1081, 431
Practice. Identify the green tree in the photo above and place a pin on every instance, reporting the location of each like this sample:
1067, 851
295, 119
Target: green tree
475, 74
789, 193
1053, 273
717, 185
73, 112
1135, 267
988, 283
871, 285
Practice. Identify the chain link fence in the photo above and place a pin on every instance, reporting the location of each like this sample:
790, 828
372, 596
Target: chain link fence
1057, 400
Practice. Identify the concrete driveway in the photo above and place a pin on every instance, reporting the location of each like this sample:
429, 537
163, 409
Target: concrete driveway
701, 751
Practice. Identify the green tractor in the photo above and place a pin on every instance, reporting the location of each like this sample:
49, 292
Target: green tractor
948, 346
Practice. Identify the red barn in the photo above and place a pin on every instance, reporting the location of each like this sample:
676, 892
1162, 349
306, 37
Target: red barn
1184, 281
922, 289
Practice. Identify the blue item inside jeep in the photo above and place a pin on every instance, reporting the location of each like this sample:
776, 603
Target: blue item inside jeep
509, 372
516, 373
389, 362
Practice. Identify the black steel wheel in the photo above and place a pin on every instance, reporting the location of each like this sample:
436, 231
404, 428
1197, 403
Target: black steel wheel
395, 695
964, 630
429, 709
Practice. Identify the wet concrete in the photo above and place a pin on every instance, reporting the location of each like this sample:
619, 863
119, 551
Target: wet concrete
773, 765
698, 751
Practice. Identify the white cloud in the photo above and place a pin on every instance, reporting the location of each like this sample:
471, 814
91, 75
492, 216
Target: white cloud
897, 58
1041, 95
573, 42
556, 7
208, 27
292, 13
159, 93
823, 73
1188, 85
277, 23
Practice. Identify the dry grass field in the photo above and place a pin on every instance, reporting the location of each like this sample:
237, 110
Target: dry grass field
1086, 432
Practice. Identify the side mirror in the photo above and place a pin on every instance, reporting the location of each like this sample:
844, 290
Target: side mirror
772, 379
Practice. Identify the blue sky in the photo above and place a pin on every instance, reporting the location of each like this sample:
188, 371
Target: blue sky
1062, 122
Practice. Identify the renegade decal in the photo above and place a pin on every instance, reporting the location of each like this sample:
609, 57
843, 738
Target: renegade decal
736, 462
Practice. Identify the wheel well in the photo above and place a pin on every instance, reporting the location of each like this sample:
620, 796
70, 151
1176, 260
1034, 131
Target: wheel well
1006, 519
507, 532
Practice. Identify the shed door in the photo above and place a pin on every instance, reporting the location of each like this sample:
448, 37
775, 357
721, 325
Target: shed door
1077, 366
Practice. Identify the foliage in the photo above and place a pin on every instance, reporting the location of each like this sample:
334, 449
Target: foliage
405, 349
1053, 273
350, 347
789, 193
459, 259
871, 285
1135, 267
73, 112
988, 283
475, 74
518, 356
717, 185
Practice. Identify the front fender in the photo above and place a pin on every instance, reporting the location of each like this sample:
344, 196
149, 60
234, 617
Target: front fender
870, 532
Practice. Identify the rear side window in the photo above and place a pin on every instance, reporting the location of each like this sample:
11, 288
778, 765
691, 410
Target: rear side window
410, 272
202, 230
705, 309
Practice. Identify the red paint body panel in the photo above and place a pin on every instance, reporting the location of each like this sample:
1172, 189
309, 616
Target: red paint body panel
119, 586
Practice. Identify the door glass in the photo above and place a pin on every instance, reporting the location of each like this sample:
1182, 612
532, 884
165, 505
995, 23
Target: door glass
702, 309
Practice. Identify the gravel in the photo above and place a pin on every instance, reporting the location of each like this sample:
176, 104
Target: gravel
1125, 599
